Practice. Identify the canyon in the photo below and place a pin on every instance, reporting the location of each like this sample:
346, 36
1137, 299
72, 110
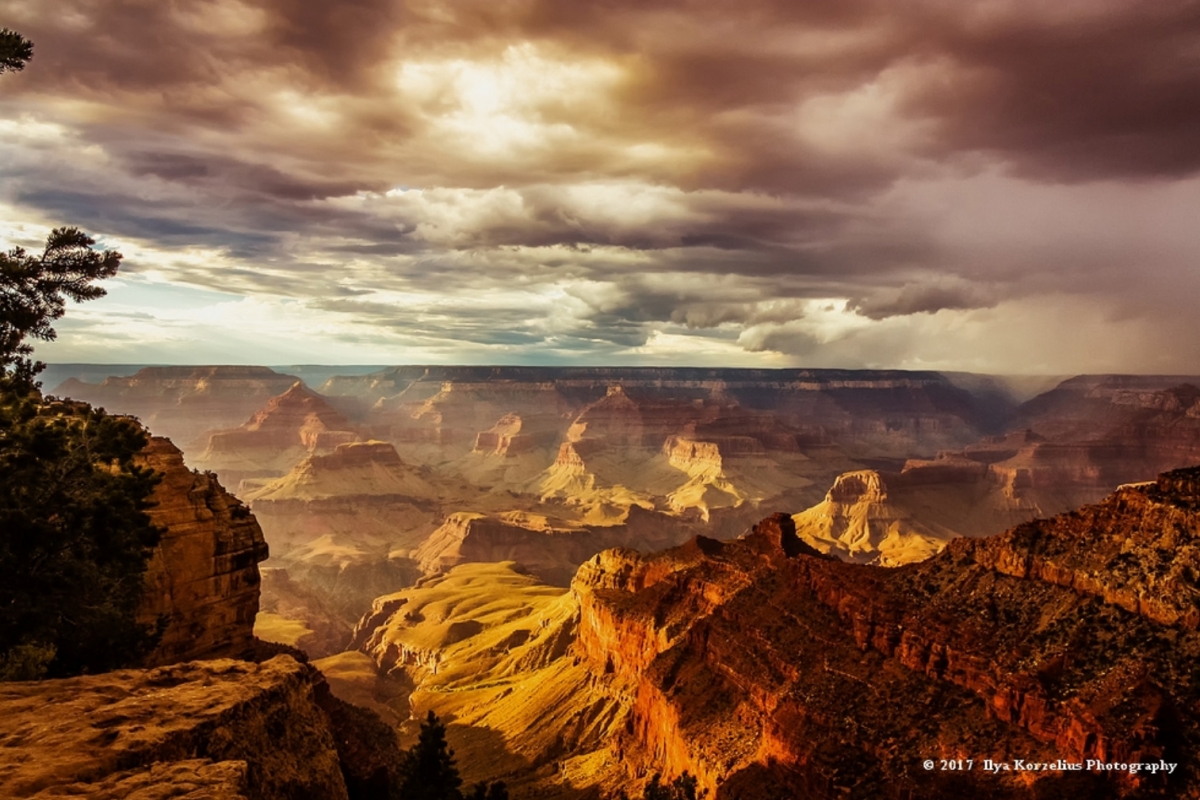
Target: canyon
557, 561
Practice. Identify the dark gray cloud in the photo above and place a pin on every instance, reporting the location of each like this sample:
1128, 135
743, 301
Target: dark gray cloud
927, 298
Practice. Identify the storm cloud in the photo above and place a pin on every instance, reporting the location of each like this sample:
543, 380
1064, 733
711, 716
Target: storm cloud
852, 183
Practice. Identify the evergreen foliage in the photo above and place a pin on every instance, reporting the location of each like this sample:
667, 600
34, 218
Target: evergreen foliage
15, 51
429, 771
75, 539
34, 290
74, 535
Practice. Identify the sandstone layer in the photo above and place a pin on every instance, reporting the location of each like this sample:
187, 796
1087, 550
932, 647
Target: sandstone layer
894, 518
897, 414
1072, 638
214, 729
202, 579
552, 548
1131, 427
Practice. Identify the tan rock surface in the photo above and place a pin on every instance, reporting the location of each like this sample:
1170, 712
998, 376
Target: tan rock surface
176, 731
356, 504
768, 670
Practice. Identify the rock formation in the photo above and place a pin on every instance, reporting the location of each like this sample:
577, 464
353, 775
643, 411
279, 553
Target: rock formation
441, 420
1131, 427
898, 414
553, 548
214, 729
202, 578
696, 456
894, 518
858, 522
289, 427
182, 403
1034, 642
357, 503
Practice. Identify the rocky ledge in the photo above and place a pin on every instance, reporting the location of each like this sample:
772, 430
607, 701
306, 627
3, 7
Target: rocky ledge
216, 729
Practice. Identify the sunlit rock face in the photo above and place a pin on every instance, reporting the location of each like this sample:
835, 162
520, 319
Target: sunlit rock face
182, 403
213, 729
1082, 439
203, 576
358, 503
895, 518
549, 548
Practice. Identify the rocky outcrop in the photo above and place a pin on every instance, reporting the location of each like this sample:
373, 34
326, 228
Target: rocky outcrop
370, 468
182, 403
890, 519
214, 729
1137, 425
1148, 565
1071, 638
356, 504
453, 415
202, 579
552, 550
698, 456
286, 429
319, 604
905, 413
505, 438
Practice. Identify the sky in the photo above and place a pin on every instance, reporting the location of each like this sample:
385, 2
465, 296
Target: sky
1002, 186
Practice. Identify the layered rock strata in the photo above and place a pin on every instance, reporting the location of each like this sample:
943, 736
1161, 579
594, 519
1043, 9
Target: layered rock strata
1131, 426
202, 579
893, 413
551, 548
358, 503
